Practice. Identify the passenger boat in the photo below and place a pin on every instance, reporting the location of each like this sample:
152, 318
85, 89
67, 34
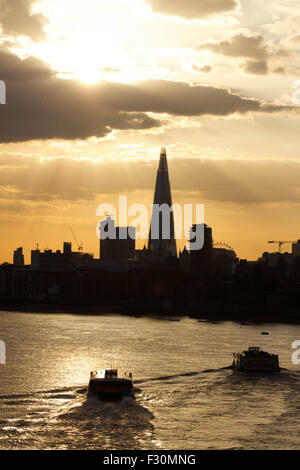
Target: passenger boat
105, 385
255, 360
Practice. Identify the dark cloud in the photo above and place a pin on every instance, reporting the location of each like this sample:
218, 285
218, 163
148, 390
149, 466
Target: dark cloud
256, 67
69, 109
14, 69
182, 99
239, 45
41, 106
16, 18
251, 47
224, 180
193, 9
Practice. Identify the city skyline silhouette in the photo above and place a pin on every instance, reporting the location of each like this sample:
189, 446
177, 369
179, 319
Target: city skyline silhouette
91, 100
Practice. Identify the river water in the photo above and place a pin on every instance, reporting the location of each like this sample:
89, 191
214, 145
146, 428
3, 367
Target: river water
186, 398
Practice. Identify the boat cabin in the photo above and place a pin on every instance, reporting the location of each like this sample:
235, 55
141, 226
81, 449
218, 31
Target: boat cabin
110, 373
104, 374
254, 349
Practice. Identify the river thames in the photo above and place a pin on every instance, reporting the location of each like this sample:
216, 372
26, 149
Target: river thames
186, 396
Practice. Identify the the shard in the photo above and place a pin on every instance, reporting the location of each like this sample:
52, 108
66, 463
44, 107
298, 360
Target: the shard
162, 243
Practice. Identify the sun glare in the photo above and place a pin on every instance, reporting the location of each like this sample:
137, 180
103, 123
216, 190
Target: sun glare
88, 75
91, 47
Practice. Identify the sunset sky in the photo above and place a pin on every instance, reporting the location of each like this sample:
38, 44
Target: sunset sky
95, 88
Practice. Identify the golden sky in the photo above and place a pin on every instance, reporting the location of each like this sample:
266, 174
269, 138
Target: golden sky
95, 88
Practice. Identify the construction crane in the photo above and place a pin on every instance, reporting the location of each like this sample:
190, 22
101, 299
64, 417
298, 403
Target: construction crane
79, 246
281, 242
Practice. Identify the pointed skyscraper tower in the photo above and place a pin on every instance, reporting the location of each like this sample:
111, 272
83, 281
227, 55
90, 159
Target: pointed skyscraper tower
162, 244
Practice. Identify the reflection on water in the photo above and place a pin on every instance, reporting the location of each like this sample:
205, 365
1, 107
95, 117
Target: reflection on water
186, 394
66, 419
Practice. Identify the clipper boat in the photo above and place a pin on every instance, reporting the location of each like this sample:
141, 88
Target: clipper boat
105, 385
255, 360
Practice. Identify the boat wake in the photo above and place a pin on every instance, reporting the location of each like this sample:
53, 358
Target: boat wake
175, 376
65, 418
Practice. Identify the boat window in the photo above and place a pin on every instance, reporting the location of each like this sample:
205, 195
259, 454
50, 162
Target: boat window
111, 373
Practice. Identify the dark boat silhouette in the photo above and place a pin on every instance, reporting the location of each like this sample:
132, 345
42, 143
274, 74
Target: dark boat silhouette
255, 360
105, 385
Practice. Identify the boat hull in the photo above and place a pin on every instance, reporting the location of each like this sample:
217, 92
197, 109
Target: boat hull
110, 390
256, 369
111, 396
244, 366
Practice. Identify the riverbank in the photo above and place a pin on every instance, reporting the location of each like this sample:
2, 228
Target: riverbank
205, 312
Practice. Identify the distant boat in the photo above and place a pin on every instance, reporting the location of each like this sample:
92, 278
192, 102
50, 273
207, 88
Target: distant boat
264, 333
105, 385
255, 360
